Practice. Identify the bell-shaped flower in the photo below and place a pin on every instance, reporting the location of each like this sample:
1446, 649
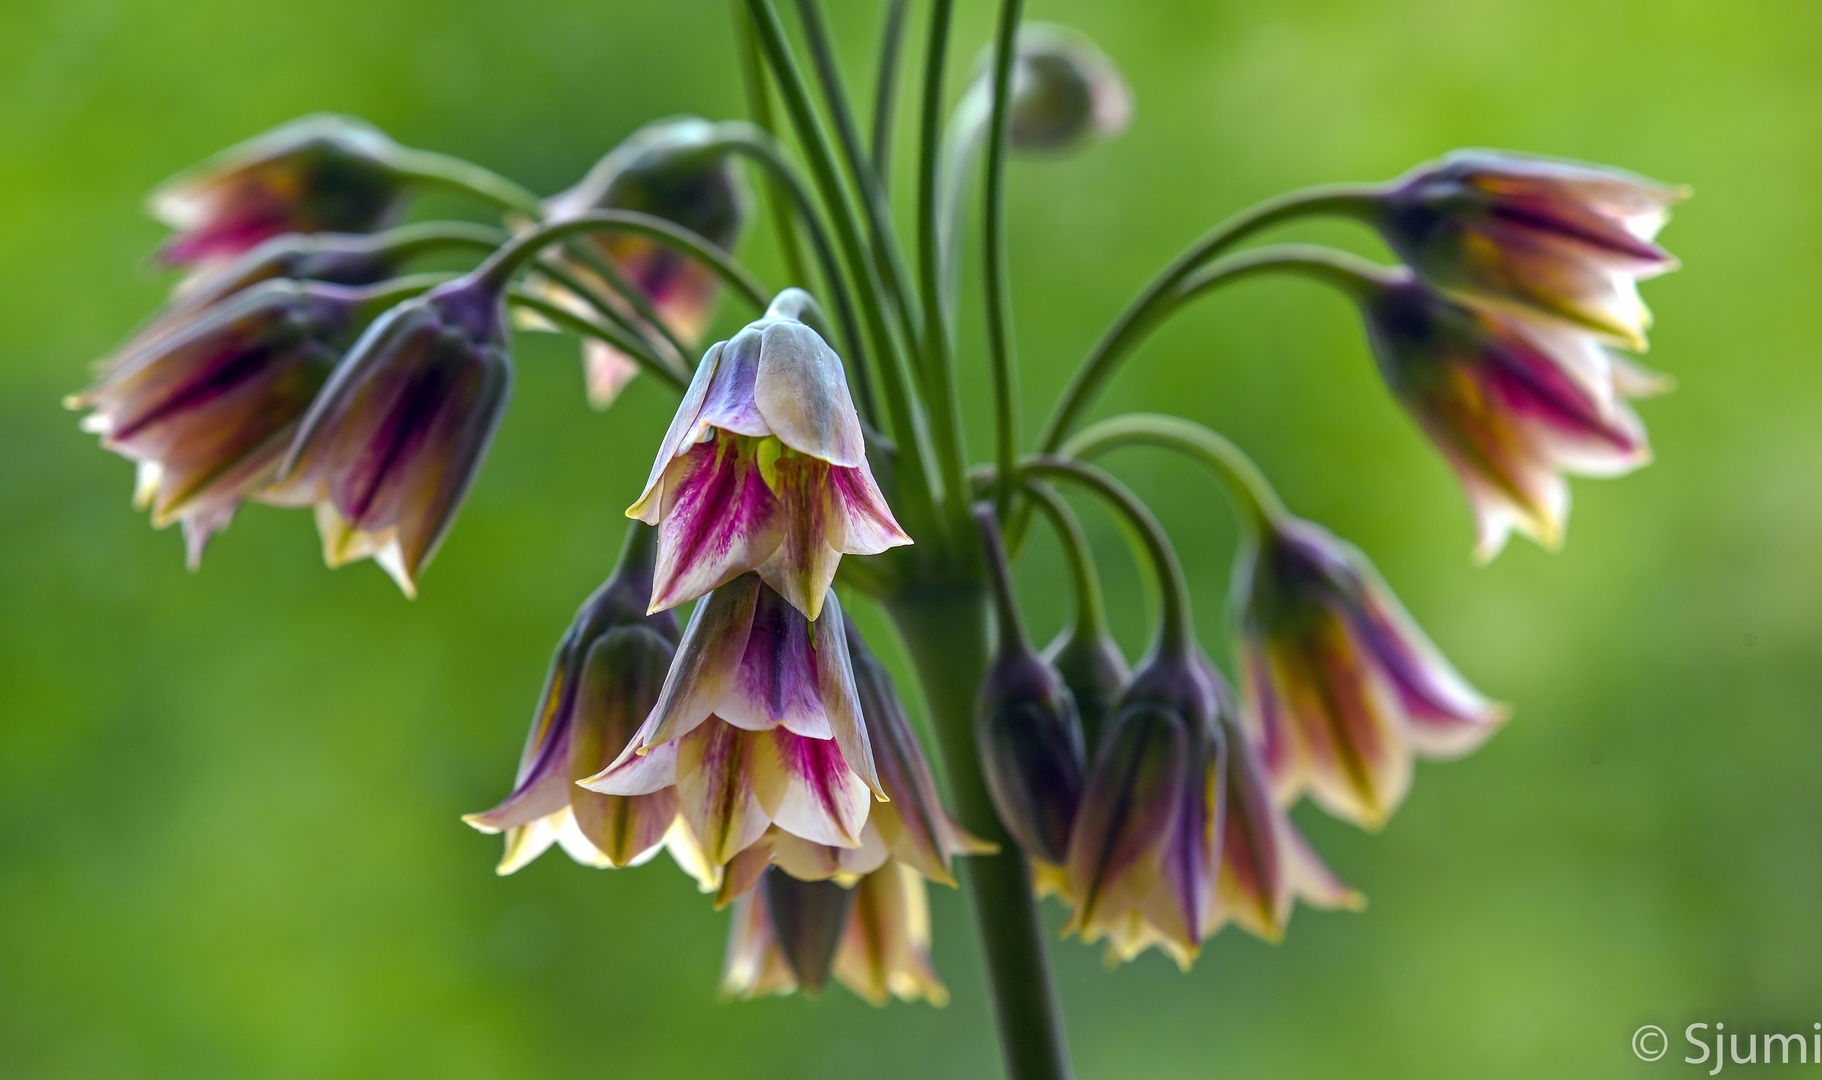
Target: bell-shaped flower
1543, 237
1065, 91
389, 448
678, 170
764, 468
1513, 403
874, 937
758, 724
208, 408
1266, 864
912, 824
1025, 727
1342, 688
1146, 848
603, 681
320, 173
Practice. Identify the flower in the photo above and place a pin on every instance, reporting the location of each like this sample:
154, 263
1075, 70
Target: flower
1551, 238
1342, 688
757, 724
1065, 91
764, 468
1095, 671
603, 680
874, 937
1266, 864
1146, 848
320, 173
912, 824
389, 447
1026, 730
675, 169
208, 406
1513, 403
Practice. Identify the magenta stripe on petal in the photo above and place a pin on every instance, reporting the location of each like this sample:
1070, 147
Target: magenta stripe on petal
724, 521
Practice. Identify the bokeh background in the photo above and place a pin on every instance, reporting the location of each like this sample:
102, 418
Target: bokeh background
229, 835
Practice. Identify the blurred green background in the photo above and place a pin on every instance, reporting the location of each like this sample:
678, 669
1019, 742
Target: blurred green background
229, 835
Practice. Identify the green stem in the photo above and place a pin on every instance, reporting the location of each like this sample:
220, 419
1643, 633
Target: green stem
996, 285
410, 241
576, 324
914, 452
885, 92
1176, 631
634, 296
759, 103
1357, 277
376, 299
762, 149
1253, 496
470, 179
1156, 299
1090, 619
945, 629
582, 291
507, 261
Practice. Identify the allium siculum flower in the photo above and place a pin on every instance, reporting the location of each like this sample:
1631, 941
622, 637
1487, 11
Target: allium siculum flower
1266, 864
764, 468
671, 169
320, 173
1026, 729
1065, 91
1146, 848
1538, 236
757, 725
874, 937
1342, 688
389, 448
208, 408
603, 682
1513, 403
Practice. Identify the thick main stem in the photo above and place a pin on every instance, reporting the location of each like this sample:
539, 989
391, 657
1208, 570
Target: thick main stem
945, 629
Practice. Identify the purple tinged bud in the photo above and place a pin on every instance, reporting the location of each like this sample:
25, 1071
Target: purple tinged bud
321, 173
1096, 672
1026, 727
1065, 91
390, 446
208, 406
807, 919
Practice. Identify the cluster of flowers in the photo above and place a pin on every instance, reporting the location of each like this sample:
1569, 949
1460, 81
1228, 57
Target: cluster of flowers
763, 745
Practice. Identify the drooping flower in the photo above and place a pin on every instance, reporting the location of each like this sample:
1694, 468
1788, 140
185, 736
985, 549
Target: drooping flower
874, 938
1542, 237
1146, 848
208, 408
1342, 688
758, 724
764, 468
1095, 671
1266, 864
675, 169
1065, 91
603, 681
321, 173
1513, 403
912, 822
389, 448
1025, 728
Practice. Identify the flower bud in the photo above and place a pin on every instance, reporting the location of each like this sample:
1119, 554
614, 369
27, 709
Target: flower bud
1342, 687
671, 169
1145, 852
757, 725
1513, 403
764, 468
885, 947
321, 173
1065, 91
1026, 728
389, 448
1557, 239
208, 408
1096, 672
603, 681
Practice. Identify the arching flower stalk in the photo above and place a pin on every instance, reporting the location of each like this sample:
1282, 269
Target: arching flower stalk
766, 746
